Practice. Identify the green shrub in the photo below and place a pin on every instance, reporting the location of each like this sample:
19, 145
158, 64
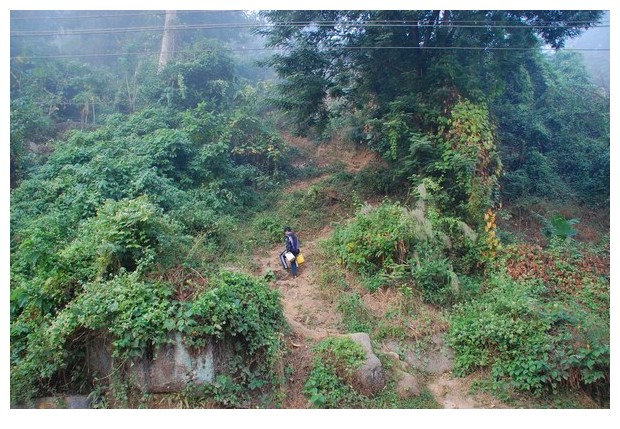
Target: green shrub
329, 382
137, 314
391, 245
268, 229
236, 305
49, 272
248, 314
560, 227
436, 279
253, 143
529, 342
380, 237
356, 317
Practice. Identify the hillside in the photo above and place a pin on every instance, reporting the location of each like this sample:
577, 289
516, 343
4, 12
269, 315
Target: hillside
452, 206
314, 311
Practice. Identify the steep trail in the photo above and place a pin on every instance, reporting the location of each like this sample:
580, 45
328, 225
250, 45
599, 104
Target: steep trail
308, 311
312, 313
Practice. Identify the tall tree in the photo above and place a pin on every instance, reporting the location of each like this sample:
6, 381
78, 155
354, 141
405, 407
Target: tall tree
168, 41
423, 87
373, 58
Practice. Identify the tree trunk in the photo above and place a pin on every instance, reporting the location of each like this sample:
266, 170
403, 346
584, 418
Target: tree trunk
168, 41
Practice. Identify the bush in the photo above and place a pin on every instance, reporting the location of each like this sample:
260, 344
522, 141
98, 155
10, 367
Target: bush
48, 272
436, 279
268, 229
329, 383
530, 342
239, 306
245, 312
391, 244
380, 237
356, 317
137, 314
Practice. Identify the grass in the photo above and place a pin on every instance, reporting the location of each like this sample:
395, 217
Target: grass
394, 314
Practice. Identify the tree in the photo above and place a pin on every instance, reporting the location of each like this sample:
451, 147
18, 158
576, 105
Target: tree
168, 41
554, 128
398, 76
370, 58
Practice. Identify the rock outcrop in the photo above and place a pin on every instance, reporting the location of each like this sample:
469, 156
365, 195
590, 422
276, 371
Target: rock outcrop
370, 377
173, 368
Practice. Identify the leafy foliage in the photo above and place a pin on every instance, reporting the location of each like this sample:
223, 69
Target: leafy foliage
28, 125
530, 341
329, 382
559, 226
317, 66
549, 149
248, 315
135, 313
391, 244
394, 99
134, 204
115, 228
379, 238
237, 306
470, 161
207, 78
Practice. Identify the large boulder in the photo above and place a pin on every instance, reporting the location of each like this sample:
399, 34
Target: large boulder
370, 378
173, 368
72, 402
407, 386
434, 359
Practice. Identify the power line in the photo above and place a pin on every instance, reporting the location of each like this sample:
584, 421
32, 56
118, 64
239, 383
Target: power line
119, 15
116, 54
458, 48
368, 24
180, 12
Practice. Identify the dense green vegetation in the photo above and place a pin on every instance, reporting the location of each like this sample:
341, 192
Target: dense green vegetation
398, 100
330, 383
135, 192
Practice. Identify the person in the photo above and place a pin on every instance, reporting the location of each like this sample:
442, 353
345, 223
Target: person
292, 245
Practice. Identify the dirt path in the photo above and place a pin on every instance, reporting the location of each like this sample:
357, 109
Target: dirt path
310, 314
313, 314
307, 310
455, 393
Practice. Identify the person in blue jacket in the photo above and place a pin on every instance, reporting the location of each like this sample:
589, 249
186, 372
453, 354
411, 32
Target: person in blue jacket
292, 245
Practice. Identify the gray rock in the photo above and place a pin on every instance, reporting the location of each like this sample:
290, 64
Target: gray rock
408, 386
436, 358
172, 369
99, 355
370, 377
72, 402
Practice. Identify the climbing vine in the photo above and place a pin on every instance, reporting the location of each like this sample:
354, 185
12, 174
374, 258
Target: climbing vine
470, 162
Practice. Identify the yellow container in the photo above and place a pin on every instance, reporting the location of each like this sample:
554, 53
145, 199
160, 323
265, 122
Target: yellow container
300, 259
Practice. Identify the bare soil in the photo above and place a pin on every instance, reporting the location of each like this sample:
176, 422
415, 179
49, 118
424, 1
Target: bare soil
312, 314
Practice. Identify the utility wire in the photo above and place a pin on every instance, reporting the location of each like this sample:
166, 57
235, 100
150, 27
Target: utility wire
120, 15
45, 33
458, 48
185, 12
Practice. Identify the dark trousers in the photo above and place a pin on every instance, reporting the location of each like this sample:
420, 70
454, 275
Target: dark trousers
285, 264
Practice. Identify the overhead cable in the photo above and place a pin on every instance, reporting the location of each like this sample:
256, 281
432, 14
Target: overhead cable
89, 31
430, 48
